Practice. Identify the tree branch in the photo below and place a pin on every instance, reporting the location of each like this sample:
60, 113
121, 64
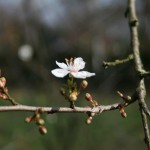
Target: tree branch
133, 24
97, 109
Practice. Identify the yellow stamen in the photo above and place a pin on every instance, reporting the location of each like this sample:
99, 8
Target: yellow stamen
66, 60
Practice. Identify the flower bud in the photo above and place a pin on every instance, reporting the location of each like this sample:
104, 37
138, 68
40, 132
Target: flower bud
122, 112
42, 130
2, 82
89, 120
28, 119
84, 84
88, 97
37, 116
40, 122
73, 96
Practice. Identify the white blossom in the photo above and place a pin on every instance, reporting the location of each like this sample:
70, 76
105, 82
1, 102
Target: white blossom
72, 67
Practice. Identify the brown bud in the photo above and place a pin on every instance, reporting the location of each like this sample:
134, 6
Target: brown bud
42, 129
73, 96
88, 97
84, 84
89, 120
122, 112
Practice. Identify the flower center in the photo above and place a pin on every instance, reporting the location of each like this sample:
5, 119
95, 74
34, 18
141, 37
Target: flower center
72, 69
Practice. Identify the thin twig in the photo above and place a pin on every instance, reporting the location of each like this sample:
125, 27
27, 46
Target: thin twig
12, 101
117, 62
9, 98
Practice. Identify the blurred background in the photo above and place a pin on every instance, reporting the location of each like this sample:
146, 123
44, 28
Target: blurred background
33, 35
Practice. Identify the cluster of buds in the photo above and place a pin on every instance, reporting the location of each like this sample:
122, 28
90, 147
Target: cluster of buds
3, 89
74, 92
38, 120
70, 96
90, 118
71, 91
122, 111
89, 98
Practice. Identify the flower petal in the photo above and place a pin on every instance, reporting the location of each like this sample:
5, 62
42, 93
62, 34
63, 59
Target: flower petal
62, 65
82, 74
79, 63
60, 73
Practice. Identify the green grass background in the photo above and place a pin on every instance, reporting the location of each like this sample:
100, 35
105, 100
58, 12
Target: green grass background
69, 131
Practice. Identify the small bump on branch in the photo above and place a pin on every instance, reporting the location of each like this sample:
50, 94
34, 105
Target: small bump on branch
144, 74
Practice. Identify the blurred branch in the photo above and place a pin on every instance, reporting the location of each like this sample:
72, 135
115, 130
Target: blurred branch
133, 24
117, 62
